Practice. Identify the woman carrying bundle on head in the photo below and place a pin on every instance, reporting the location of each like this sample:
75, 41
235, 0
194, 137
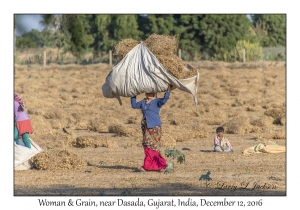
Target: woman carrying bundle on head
151, 129
22, 122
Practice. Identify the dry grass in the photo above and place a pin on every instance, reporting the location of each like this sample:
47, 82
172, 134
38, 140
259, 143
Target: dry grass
123, 47
162, 44
120, 130
238, 125
55, 159
108, 136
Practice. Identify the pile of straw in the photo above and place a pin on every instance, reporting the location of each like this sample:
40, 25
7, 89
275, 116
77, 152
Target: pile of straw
275, 112
123, 47
238, 125
264, 122
93, 141
120, 130
55, 159
161, 44
164, 49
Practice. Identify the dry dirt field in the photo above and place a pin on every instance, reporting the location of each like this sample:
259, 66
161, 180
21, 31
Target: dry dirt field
92, 145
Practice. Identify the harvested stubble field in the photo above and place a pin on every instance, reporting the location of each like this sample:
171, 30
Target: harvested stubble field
92, 145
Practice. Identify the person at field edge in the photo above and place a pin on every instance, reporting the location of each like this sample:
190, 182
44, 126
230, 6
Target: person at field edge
221, 143
22, 122
151, 129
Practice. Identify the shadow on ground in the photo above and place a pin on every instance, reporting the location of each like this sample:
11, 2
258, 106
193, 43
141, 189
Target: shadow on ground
170, 189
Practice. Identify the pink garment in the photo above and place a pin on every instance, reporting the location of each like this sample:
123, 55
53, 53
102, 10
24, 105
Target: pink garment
19, 115
22, 120
153, 160
217, 142
24, 127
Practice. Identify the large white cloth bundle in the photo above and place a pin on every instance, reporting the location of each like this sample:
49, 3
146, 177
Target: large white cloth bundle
23, 154
139, 72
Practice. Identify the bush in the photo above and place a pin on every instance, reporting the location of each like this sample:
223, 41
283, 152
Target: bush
253, 52
274, 53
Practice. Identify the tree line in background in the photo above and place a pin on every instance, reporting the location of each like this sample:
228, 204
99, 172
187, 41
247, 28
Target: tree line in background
200, 36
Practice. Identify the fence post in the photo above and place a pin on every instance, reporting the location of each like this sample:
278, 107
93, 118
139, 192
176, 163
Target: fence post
44, 58
110, 58
179, 53
244, 55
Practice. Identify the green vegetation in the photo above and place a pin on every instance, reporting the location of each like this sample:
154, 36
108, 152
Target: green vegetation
274, 53
221, 37
270, 29
175, 154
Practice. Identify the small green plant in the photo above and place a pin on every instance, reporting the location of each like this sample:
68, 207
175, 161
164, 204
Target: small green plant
175, 154
205, 177
169, 169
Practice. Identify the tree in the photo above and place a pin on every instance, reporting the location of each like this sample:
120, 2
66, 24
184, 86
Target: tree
184, 26
78, 28
220, 33
58, 25
270, 28
36, 37
25, 43
99, 25
187, 28
161, 24
124, 26
107, 30
144, 26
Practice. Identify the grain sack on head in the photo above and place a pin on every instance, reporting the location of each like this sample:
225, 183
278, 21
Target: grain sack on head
139, 72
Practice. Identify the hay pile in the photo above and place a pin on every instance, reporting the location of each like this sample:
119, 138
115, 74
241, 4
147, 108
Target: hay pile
161, 44
123, 47
264, 122
275, 112
85, 141
238, 125
121, 130
93, 141
215, 117
281, 120
200, 131
56, 159
164, 49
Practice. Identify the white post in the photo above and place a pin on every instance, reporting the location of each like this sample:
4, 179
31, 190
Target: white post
244, 55
110, 58
179, 53
44, 58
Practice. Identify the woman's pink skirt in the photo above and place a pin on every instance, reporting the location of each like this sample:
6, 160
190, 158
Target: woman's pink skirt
24, 127
151, 141
153, 160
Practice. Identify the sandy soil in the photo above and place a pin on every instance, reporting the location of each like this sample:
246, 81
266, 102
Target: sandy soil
69, 113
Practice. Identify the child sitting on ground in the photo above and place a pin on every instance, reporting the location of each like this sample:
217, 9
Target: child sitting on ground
221, 143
